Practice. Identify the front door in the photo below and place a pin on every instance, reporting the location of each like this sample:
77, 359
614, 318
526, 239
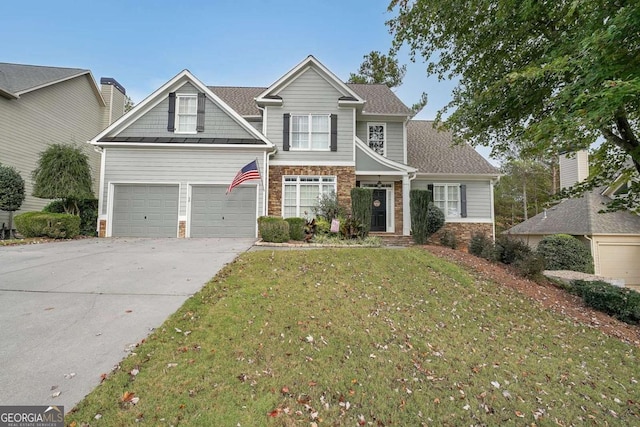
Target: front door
379, 210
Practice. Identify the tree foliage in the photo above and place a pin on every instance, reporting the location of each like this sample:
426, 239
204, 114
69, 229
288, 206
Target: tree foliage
378, 68
63, 172
11, 192
549, 76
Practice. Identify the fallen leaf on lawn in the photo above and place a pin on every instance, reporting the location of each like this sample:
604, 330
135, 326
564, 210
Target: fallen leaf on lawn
73, 424
361, 420
496, 384
284, 390
275, 412
127, 396
134, 372
98, 416
171, 365
519, 414
178, 330
312, 383
103, 377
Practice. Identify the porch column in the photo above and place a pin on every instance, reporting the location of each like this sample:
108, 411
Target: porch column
406, 209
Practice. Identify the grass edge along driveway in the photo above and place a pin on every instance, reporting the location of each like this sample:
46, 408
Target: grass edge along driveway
366, 337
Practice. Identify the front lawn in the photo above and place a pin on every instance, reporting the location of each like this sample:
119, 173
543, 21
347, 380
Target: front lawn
375, 337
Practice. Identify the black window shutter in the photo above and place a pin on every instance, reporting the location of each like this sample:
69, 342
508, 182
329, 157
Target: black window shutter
463, 200
171, 123
286, 117
200, 119
430, 188
334, 132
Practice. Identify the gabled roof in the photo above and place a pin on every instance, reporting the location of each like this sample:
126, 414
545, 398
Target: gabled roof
18, 79
241, 99
580, 216
432, 151
109, 135
273, 90
379, 99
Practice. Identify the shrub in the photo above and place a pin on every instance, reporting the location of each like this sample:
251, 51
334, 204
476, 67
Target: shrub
328, 206
11, 193
43, 224
419, 206
273, 229
621, 303
530, 265
88, 214
435, 219
509, 250
296, 228
352, 228
449, 239
323, 226
564, 252
361, 202
482, 246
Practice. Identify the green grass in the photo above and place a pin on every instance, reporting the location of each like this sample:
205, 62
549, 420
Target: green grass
366, 337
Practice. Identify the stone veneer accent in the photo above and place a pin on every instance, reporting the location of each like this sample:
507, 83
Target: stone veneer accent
346, 181
182, 229
102, 228
397, 198
463, 232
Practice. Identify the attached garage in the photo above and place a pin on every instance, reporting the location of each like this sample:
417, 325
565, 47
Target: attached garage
216, 214
620, 260
145, 210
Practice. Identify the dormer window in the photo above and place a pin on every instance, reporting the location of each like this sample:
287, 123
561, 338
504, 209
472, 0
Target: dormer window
377, 137
186, 113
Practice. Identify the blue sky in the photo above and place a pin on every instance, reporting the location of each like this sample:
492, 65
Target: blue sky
144, 43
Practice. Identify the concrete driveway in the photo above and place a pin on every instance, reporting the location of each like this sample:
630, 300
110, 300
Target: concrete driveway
70, 311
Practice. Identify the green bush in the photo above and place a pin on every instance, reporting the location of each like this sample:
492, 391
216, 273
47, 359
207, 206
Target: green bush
352, 228
273, 229
510, 250
435, 219
88, 214
482, 246
361, 206
621, 303
44, 224
564, 252
449, 239
296, 228
323, 226
530, 265
419, 207
328, 206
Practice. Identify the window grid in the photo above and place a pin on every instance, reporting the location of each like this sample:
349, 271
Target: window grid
310, 132
186, 113
376, 137
447, 198
301, 194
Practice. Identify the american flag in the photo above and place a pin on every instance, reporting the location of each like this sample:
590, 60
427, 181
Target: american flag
248, 172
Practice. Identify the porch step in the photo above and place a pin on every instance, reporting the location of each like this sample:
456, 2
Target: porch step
389, 239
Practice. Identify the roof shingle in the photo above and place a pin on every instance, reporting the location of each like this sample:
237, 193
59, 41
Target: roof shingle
379, 99
241, 99
19, 78
433, 151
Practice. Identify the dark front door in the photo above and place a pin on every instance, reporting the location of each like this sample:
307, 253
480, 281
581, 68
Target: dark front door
379, 210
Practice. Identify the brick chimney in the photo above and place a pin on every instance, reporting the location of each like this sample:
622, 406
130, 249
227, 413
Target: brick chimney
115, 97
574, 168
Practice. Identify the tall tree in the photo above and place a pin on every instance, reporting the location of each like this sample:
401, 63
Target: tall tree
11, 193
550, 75
378, 68
63, 172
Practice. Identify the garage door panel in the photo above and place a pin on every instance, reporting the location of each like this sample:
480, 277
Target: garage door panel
145, 210
216, 214
620, 261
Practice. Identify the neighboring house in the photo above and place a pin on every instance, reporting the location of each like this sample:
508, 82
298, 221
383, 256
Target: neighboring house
168, 162
612, 237
40, 106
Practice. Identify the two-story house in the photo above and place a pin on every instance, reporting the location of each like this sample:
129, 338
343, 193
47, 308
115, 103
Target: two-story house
42, 105
166, 165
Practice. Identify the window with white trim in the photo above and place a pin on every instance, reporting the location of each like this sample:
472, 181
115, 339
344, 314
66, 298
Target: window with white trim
186, 113
447, 198
301, 194
377, 136
310, 132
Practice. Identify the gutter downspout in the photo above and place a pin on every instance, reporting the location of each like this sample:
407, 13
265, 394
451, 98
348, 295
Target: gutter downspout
596, 266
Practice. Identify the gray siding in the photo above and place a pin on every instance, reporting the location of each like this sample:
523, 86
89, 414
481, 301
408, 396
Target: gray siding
176, 166
395, 143
366, 163
478, 195
67, 112
217, 123
310, 93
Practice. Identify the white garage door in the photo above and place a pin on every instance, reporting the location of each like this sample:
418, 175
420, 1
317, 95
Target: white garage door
620, 261
145, 210
216, 214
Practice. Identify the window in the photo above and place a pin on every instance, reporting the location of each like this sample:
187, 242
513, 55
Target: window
301, 194
186, 113
310, 132
447, 198
377, 137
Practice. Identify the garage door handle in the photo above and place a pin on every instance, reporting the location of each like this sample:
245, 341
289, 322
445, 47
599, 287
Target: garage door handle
145, 217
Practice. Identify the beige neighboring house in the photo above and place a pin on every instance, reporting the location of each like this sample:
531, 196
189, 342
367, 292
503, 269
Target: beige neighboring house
40, 106
613, 237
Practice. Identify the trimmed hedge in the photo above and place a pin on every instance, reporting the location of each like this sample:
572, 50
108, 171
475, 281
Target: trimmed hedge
44, 224
435, 219
565, 252
296, 228
482, 246
88, 214
273, 229
621, 303
509, 250
361, 207
419, 206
